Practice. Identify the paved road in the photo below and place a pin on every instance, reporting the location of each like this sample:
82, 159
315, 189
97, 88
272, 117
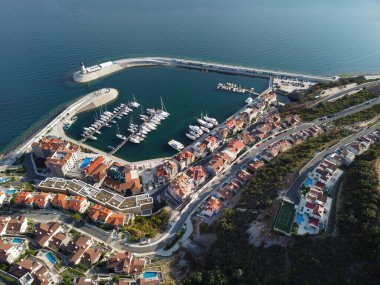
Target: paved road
345, 92
292, 193
203, 193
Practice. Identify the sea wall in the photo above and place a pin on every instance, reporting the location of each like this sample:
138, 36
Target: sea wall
192, 64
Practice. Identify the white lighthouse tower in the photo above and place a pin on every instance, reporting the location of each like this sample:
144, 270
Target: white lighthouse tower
82, 68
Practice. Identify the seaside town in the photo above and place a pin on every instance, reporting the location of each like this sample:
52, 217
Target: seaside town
73, 215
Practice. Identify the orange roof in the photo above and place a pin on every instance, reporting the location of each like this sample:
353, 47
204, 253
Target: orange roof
197, 172
40, 199
21, 197
184, 155
235, 145
230, 123
75, 203
99, 213
94, 164
116, 219
60, 201
210, 140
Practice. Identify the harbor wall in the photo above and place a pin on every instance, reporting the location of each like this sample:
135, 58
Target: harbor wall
105, 97
199, 65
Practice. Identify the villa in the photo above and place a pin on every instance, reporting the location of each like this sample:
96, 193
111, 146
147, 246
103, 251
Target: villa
11, 226
217, 163
313, 212
36, 270
44, 232
126, 263
211, 208
254, 166
11, 251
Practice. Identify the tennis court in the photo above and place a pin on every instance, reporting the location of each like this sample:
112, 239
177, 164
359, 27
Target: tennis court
285, 217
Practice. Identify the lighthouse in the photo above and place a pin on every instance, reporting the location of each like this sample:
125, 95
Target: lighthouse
82, 68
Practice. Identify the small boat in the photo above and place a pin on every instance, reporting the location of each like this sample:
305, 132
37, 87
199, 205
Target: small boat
143, 131
176, 145
74, 118
113, 121
134, 102
204, 123
111, 147
163, 110
249, 100
134, 140
119, 135
191, 136
141, 135
195, 134
93, 138
194, 128
119, 117
125, 113
98, 132
206, 130
108, 126
150, 126
131, 130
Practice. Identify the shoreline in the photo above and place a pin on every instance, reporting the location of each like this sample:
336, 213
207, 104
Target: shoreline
84, 103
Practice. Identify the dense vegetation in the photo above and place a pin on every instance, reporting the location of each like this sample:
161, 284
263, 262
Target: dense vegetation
261, 191
351, 257
362, 116
327, 108
147, 227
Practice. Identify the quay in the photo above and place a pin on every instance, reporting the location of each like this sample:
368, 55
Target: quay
98, 71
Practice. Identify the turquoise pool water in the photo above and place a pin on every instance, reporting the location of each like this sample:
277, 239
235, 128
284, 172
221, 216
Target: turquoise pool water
309, 182
6, 179
10, 191
85, 162
150, 274
50, 257
17, 240
299, 219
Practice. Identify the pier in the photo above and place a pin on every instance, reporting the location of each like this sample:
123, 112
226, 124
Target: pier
230, 87
99, 71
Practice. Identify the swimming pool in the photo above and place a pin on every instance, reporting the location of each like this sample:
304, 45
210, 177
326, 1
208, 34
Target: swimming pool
309, 182
51, 257
17, 240
10, 191
4, 179
85, 162
299, 219
150, 274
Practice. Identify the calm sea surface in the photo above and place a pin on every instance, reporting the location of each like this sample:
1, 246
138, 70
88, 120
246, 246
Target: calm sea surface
42, 42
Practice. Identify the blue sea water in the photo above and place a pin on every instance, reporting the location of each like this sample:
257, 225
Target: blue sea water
42, 42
